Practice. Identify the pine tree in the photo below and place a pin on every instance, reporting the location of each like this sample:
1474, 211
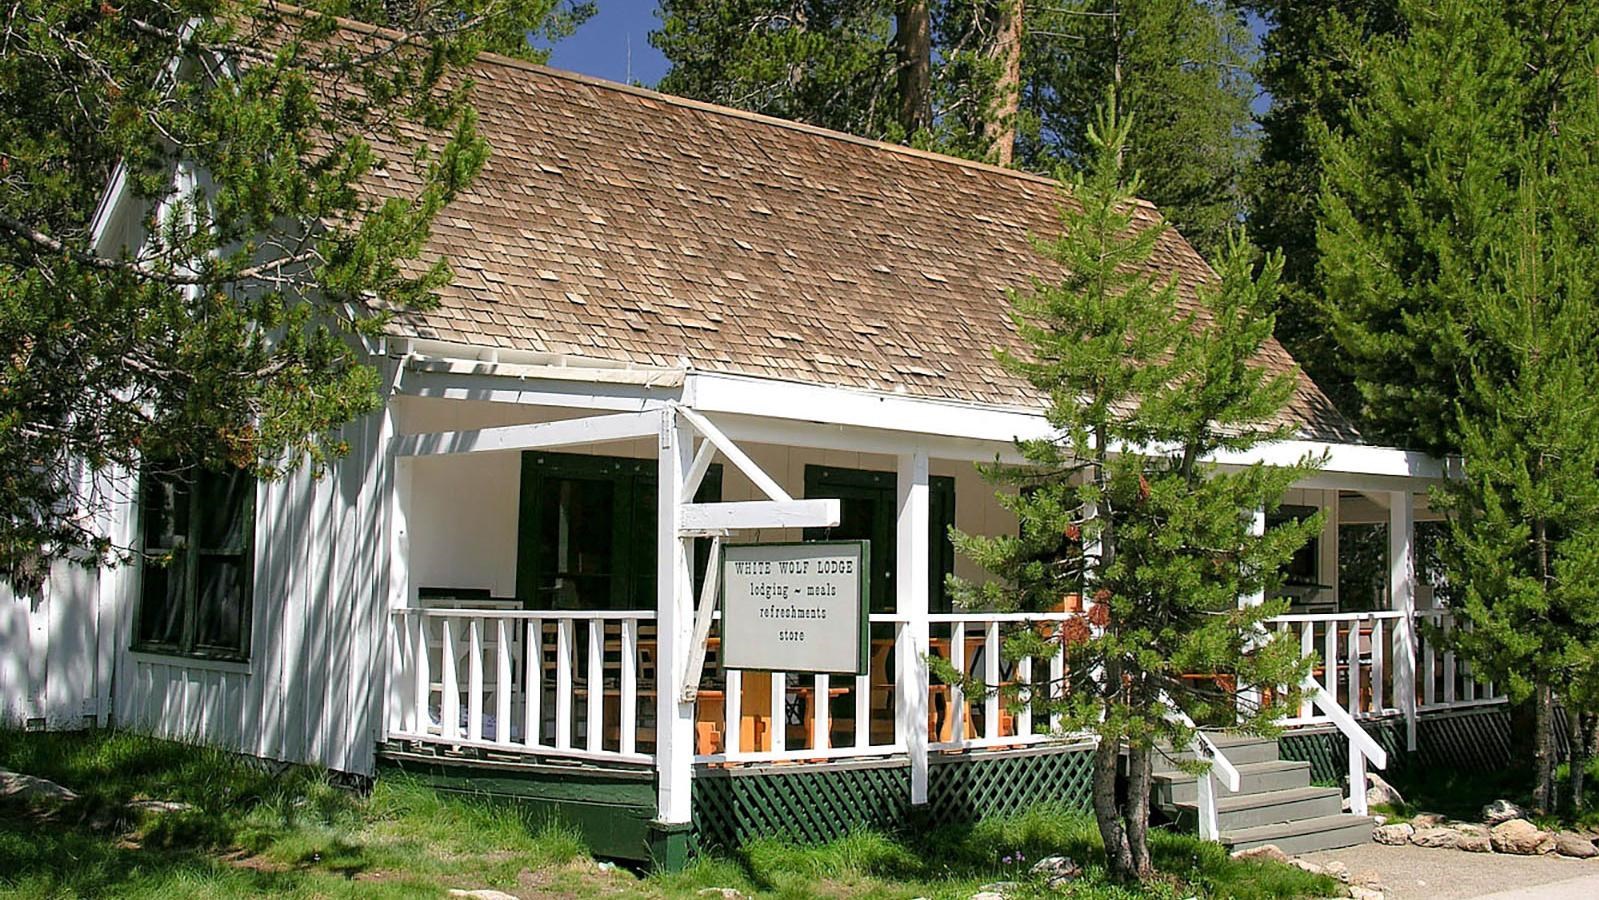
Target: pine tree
1180, 67
203, 348
1162, 541
1311, 66
1458, 241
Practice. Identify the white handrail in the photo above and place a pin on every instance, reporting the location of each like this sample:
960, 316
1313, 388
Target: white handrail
1204, 748
1362, 746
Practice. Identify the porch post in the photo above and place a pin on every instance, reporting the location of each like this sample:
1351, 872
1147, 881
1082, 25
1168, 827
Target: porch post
1327, 566
1402, 599
1249, 694
911, 675
674, 725
400, 714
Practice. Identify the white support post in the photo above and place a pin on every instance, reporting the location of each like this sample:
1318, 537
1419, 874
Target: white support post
1402, 593
1249, 695
914, 556
674, 618
402, 713
1327, 566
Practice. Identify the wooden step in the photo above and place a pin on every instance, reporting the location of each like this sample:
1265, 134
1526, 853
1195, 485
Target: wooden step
1304, 835
1240, 750
1172, 788
1237, 811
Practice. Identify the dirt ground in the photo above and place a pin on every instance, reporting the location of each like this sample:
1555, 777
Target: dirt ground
1420, 873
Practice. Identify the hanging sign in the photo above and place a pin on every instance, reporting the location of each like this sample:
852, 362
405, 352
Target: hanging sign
795, 607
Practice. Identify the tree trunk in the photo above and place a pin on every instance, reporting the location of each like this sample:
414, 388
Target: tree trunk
1581, 726
1543, 754
1107, 812
913, 42
1000, 127
1138, 781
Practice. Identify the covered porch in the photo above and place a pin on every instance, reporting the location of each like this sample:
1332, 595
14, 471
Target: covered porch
551, 539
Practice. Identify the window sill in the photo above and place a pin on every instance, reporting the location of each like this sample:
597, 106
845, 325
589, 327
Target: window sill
153, 657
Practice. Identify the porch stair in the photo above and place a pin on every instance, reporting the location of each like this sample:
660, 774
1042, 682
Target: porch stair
1275, 803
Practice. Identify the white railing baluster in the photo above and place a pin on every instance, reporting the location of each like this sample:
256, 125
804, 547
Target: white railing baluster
533, 683
1307, 637
819, 725
779, 716
450, 701
1449, 660
1329, 641
627, 713
957, 694
474, 679
1429, 689
1024, 680
595, 726
1379, 665
502, 682
1057, 678
863, 709
564, 661
733, 712
424, 680
991, 681
1353, 650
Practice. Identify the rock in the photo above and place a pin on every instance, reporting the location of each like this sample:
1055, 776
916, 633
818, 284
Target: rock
1368, 878
1575, 846
1392, 835
1308, 866
1471, 828
1521, 837
1002, 888
1336, 869
1474, 843
1380, 791
482, 894
1361, 892
1057, 870
15, 785
987, 895
1429, 820
1270, 852
1379, 819
1437, 838
724, 893
606, 866
159, 806
1502, 811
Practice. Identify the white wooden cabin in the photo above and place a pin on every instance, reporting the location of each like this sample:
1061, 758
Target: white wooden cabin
672, 320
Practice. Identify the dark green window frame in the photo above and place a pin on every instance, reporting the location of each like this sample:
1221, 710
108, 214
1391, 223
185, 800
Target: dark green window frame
631, 534
879, 490
196, 562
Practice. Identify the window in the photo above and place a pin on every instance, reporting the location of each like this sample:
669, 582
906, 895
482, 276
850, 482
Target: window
197, 528
586, 539
870, 507
1303, 568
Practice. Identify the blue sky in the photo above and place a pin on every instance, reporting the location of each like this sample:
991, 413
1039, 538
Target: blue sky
615, 44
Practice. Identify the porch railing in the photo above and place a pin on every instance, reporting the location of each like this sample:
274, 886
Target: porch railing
1359, 658
553, 682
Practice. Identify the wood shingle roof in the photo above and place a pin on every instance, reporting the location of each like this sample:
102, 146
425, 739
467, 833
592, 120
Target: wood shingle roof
613, 222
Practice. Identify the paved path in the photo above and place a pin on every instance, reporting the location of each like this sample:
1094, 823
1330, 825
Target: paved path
1421, 873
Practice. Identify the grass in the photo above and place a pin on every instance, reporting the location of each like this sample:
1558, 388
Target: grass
258, 831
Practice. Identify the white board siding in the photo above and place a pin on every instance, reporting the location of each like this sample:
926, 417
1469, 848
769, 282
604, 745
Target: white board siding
310, 691
55, 641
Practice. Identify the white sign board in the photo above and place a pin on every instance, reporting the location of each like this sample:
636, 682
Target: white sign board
795, 607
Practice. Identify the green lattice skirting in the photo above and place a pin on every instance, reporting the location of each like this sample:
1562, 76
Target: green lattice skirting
1473, 740
819, 803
